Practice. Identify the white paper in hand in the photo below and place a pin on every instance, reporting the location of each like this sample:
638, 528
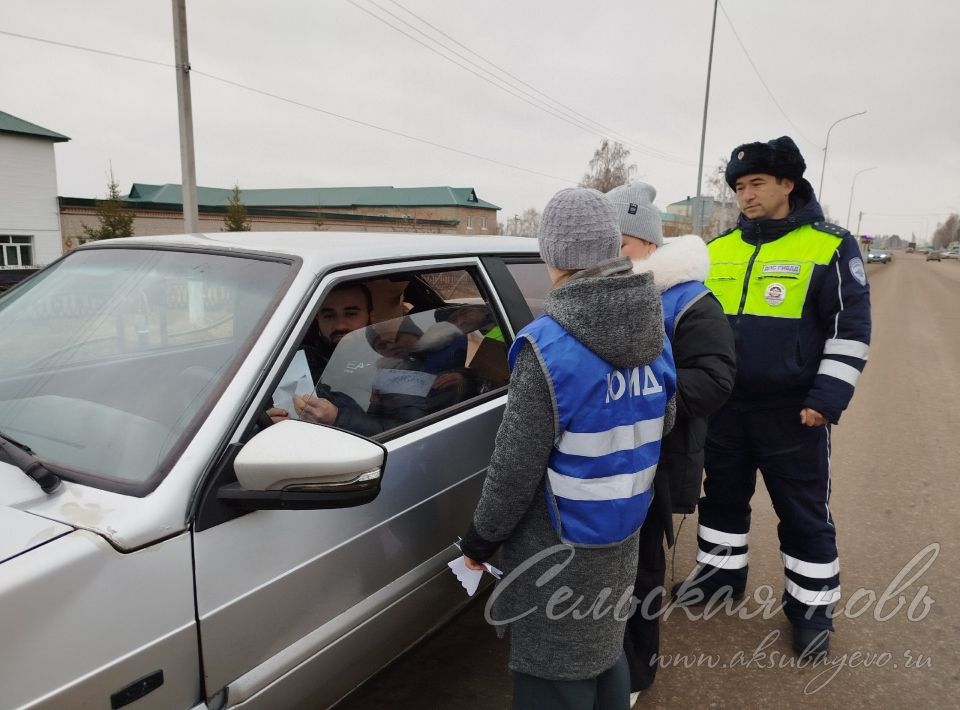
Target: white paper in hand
470, 578
296, 380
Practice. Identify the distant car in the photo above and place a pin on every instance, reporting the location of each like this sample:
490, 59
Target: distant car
884, 257
933, 256
950, 254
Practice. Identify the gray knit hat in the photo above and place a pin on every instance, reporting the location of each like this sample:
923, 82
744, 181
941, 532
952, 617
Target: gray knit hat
578, 229
634, 208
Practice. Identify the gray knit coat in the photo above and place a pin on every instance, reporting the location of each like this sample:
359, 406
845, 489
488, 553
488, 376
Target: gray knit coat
565, 607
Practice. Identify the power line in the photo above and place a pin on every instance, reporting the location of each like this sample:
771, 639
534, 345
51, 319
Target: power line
88, 49
452, 61
760, 77
610, 131
294, 102
498, 83
374, 126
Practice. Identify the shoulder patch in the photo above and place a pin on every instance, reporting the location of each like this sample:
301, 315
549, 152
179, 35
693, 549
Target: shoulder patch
834, 229
856, 270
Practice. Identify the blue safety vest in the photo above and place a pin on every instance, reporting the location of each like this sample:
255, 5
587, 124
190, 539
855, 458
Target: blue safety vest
609, 423
677, 299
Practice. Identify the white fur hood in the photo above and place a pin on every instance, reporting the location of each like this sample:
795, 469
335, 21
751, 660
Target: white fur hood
680, 259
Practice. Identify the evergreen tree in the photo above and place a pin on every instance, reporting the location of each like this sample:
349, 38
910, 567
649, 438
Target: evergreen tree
115, 219
236, 219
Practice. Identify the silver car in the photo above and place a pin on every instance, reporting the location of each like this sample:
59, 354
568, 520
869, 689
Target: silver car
169, 540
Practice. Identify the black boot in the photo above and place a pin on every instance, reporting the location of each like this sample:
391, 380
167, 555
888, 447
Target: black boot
811, 644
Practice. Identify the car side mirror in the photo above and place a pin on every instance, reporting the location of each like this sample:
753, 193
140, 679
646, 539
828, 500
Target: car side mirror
298, 465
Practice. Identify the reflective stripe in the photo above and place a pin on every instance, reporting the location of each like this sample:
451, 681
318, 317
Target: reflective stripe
620, 438
805, 596
624, 485
841, 371
852, 348
721, 538
811, 569
722, 561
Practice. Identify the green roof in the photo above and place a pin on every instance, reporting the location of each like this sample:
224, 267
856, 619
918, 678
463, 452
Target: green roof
386, 196
12, 124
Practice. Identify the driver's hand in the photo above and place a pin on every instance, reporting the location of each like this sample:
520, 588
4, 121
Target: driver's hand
315, 409
277, 414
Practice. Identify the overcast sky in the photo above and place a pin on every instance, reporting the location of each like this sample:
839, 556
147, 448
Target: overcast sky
633, 71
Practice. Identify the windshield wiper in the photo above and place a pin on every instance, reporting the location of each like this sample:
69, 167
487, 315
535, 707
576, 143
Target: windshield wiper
22, 456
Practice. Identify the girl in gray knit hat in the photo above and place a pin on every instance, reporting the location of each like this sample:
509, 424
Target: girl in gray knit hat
570, 481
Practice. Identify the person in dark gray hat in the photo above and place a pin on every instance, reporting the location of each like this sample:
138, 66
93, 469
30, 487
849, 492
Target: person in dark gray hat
570, 481
794, 289
703, 351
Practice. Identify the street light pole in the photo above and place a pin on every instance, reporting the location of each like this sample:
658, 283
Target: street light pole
698, 208
852, 185
827, 145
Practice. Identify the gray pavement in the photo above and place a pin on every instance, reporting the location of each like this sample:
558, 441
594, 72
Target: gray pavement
896, 488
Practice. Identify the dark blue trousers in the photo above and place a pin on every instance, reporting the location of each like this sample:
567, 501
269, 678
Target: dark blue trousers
795, 462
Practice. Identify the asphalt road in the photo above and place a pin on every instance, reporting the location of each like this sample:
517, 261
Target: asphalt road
896, 493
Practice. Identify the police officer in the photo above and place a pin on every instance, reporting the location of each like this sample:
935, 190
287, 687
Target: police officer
795, 292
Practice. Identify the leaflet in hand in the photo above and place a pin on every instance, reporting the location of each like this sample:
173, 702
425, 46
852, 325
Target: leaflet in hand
296, 380
470, 578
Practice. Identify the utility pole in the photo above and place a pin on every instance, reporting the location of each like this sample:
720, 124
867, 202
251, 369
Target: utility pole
188, 170
698, 207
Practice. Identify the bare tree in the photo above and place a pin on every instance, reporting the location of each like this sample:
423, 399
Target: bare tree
524, 225
725, 209
609, 167
947, 232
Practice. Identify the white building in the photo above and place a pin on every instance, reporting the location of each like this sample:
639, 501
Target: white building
29, 212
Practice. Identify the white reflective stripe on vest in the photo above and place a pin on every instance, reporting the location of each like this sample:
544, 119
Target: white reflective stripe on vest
851, 348
718, 537
624, 485
805, 596
620, 438
722, 561
817, 570
832, 368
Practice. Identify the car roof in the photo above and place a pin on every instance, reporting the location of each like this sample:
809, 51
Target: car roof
332, 248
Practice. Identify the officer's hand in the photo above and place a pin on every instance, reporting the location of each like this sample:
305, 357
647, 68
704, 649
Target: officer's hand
449, 380
811, 417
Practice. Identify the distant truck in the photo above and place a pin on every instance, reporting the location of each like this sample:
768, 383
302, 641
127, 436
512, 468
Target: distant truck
911, 247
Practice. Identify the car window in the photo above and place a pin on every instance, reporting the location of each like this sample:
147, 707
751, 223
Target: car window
382, 353
534, 283
111, 357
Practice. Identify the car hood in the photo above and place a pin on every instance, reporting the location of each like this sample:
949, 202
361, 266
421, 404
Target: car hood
22, 531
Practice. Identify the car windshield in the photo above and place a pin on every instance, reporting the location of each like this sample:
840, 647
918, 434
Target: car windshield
113, 356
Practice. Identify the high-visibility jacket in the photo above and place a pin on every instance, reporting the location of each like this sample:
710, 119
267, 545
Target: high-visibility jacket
799, 307
609, 425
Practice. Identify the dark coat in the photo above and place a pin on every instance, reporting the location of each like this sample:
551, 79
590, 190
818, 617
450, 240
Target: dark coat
703, 350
